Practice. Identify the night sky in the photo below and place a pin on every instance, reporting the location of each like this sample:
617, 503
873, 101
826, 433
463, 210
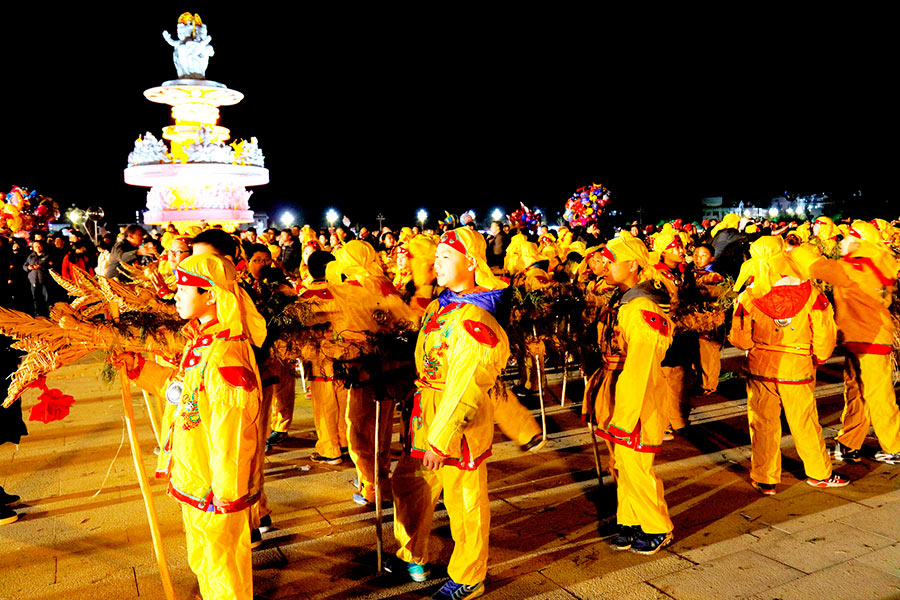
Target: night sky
392, 109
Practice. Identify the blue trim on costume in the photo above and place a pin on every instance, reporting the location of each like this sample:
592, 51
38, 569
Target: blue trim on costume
490, 300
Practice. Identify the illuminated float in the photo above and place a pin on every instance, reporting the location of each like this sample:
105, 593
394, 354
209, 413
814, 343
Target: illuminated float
197, 176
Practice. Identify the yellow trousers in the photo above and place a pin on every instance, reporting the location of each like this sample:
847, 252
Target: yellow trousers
329, 402
869, 400
416, 491
218, 550
710, 364
640, 492
361, 439
515, 421
764, 403
282, 393
674, 399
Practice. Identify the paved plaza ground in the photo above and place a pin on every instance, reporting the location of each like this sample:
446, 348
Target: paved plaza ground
83, 532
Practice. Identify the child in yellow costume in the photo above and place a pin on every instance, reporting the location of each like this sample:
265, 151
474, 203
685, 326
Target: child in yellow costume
515, 421
460, 352
679, 281
365, 292
634, 333
329, 397
712, 285
788, 327
825, 236
863, 282
212, 447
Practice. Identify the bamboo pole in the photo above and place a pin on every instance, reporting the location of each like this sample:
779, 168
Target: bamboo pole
562, 401
540, 378
378, 532
142, 479
151, 414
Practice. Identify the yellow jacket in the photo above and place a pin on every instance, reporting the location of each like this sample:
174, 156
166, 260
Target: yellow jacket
460, 352
211, 449
786, 331
863, 289
634, 333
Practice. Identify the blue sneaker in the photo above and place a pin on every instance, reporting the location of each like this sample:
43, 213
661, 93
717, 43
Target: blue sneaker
416, 572
651, 543
458, 591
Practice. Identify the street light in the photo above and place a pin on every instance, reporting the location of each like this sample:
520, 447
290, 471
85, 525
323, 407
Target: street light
497, 214
422, 216
331, 216
287, 219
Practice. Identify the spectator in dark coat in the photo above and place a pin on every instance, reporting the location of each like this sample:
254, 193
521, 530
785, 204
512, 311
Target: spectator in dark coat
37, 266
127, 251
497, 243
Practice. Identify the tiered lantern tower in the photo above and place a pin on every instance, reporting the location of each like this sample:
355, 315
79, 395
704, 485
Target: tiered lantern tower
197, 176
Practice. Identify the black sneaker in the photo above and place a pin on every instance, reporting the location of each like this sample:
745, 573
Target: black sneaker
255, 538
8, 499
844, 454
265, 523
7, 515
651, 543
276, 437
625, 538
534, 444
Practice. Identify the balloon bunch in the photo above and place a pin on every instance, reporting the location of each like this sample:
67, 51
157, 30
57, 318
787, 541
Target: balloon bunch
21, 210
525, 218
586, 205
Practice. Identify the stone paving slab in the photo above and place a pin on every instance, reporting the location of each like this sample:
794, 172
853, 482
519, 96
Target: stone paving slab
735, 576
822, 546
841, 582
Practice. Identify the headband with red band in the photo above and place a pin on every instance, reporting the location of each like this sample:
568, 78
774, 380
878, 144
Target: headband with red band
454, 242
190, 279
606, 253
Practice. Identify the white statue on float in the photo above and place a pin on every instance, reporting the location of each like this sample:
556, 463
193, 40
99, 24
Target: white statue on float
192, 49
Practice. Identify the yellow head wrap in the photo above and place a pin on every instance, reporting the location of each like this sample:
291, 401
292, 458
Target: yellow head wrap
421, 259
472, 244
729, 221
826, 228
627, 247
802, 232
871, 246
356, 260
577, 247
234, 308
767, 265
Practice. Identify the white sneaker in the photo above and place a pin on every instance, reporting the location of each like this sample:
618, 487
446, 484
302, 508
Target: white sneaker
887, 458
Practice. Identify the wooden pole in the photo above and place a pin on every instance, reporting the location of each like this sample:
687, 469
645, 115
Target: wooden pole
152, 416
540, 378
562, 401
378, 533
142, 479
